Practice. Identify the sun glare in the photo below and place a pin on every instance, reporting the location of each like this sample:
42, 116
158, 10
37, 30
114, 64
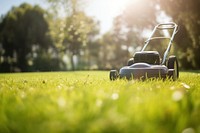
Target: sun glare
117, 6
107, 10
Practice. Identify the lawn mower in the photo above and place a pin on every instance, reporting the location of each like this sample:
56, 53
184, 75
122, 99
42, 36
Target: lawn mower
146, 63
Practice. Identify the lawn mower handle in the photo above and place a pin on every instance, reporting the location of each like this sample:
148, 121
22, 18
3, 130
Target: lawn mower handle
163, 26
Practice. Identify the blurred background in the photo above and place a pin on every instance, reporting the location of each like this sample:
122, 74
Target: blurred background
59, 35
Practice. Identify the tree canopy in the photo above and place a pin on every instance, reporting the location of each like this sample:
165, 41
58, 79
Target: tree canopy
77, 30
21, 30
186, 14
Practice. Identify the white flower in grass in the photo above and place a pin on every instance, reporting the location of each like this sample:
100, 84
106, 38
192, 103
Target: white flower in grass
23, 94
177, 95
185, 85
61, 102
59, 87
115, 96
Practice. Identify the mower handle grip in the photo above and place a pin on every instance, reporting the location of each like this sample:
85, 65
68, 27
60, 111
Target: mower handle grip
170, 25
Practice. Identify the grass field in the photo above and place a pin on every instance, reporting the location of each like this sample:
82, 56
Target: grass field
87, 102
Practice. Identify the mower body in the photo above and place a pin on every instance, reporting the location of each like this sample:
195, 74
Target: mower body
146, 65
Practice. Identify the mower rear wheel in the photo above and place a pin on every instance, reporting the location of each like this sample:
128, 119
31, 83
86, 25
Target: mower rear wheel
130, 61
173, 64
113, 75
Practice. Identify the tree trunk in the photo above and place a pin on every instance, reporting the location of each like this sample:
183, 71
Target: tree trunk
72, 63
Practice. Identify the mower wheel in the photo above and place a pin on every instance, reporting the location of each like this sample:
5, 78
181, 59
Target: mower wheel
113, 75
130, 61
173, 64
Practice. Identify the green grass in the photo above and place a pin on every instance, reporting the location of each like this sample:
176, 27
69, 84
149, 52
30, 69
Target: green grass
88, 102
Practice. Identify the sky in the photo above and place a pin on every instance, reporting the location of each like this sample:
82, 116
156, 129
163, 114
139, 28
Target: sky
106, 10
102, 10
5, 5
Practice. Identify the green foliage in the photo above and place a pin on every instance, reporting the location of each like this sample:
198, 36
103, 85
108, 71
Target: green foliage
89, 102
68, 6
78, 29
111, 54
186, 14
127, 31
73, 35
142, 15
74, 31
23, 28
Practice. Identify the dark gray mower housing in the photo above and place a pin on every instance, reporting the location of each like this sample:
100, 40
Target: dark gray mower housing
149, 64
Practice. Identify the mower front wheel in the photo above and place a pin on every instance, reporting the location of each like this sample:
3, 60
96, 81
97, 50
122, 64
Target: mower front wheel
173, 64
113, 75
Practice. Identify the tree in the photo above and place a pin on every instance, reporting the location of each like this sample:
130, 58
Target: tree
126, 36
76, 28
79, 30
186, 14
22, 29
140, 14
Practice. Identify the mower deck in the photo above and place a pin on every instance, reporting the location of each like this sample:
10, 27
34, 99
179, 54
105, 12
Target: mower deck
144, 71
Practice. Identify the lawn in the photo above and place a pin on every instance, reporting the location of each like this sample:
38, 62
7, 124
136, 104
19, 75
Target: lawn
87, 102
